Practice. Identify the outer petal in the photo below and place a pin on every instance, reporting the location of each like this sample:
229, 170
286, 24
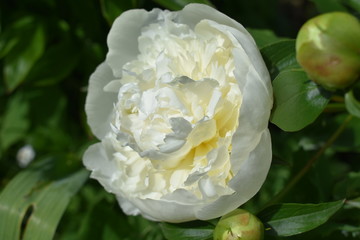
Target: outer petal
99, 104
123, 37
102, 169
254, 115
162, 210
246, 182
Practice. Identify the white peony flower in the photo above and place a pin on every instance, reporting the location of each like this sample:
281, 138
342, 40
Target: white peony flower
181, 105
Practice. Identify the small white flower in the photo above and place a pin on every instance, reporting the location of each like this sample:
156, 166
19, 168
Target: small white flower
25, 155
181, 105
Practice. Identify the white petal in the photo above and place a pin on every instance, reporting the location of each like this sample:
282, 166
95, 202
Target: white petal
96, 160
127, 206
245, 183
113, 86
99, 104
253, 119
164, 210
123, 37
207, 188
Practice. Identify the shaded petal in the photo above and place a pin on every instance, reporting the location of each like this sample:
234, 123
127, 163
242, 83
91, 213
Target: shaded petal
96, 159
253, 118
162, 210
127, 206
123, 37
246, 183
99, 104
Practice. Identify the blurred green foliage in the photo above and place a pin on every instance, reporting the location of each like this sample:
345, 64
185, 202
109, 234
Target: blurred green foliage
49, 48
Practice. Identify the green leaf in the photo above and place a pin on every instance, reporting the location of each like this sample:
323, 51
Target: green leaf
263, 37
355, 4
349, 187
280, 56
352, 104
8, 40
179, 4
27, 46
14, 203
329, 5
188, 231
290, 219
49, 205
31, 207
298, 100
57, 62
15, 122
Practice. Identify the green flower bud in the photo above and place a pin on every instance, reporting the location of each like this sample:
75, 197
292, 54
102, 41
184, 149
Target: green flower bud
239, 225
328, 48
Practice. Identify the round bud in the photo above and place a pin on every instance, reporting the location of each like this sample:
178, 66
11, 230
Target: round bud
328, 48
239, 224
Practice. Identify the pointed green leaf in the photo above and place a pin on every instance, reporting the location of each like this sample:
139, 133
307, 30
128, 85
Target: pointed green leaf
14, 203
49, 205
55, 64
15, 122
298, 100
263, 37
11, 37
355, 4
25, 51
280, 56
329, 5
188, 231
31, 207
291, 219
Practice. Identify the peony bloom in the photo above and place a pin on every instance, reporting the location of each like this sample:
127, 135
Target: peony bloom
181, 106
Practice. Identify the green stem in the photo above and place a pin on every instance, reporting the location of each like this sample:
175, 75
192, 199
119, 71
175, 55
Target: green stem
310, 163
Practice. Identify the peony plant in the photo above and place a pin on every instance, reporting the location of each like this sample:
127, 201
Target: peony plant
181, 107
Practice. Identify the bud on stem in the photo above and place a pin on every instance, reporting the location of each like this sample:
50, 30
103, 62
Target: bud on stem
239, 224
328, 48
